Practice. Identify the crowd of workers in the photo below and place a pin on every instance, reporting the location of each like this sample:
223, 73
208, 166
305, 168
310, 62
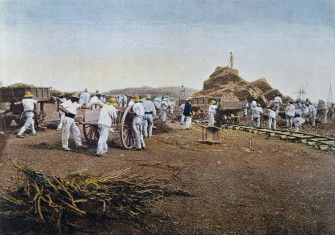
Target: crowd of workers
296, 113
146, 110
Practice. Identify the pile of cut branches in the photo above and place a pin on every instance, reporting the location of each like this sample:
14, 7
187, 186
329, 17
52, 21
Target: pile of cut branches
77, 201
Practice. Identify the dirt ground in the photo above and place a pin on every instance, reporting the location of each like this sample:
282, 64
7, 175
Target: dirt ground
274, 187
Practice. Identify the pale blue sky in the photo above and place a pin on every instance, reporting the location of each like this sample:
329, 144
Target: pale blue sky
116, 44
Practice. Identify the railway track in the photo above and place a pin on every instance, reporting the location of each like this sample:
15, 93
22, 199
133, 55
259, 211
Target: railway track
319, 142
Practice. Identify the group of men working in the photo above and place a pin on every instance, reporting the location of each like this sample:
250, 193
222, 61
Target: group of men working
296, 113
144, 109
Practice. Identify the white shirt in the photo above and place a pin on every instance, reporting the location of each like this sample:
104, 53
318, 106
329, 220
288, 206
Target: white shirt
62, 100
71, 107
107, 113
278, 100
94, 100
84, 98
299, 120
29, 104
212, 109
253, 104
131, 103
138, 108
312, 109
290, 110
149, 106
257, 111
272, 113
164, 105
245, 104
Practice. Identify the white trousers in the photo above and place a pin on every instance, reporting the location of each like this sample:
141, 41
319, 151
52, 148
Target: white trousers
148, 122
103, 137
313, 117
182, 119
296, 126
272, 122
289, 121
138, 130
245, 110
211, 119
61, 116
70, 125
164, 115
29, 123
256, 121
188, 122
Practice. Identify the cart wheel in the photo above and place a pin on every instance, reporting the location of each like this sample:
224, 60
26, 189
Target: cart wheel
40, 118
127, 134
91, 134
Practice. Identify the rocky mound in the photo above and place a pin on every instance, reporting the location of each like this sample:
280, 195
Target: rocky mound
227, 84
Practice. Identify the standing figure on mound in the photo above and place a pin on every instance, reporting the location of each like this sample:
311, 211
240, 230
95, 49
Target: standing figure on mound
107, 113
138, 109
61, 100
149, 115
29, 107
164, 109
188, 112
70, 108
212, 113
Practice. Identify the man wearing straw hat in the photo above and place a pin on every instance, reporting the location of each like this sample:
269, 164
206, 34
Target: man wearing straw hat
95, 99
107, 113
149, 115
61, 99
70, 108
29, 105
138, 109
212, 112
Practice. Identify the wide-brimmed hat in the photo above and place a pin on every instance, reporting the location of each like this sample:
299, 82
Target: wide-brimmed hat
61, 94
147, 96
136, 98
213, 101
74, 95
28, 94
189, 98
112, 101
97, 92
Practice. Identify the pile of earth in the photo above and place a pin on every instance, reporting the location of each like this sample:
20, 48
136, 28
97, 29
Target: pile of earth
23, 85
227, 84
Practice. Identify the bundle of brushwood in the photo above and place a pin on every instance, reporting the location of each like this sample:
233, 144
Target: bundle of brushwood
77, 201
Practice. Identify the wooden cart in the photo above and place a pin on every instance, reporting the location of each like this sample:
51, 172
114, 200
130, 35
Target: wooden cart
121, 127
12, 97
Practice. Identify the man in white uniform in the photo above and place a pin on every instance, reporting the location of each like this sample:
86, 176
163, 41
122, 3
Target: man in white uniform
277, 104
29, 105
61, 99
297, 122
94, 99
212, 112
245, 107
272, 114
252, 106
256, 115
107, 113
182, 106
70, 107
313, 112
290, 113
164, 109
84, 98
149, 115
138, 109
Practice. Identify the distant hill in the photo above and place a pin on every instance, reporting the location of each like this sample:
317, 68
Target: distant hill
154, 91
